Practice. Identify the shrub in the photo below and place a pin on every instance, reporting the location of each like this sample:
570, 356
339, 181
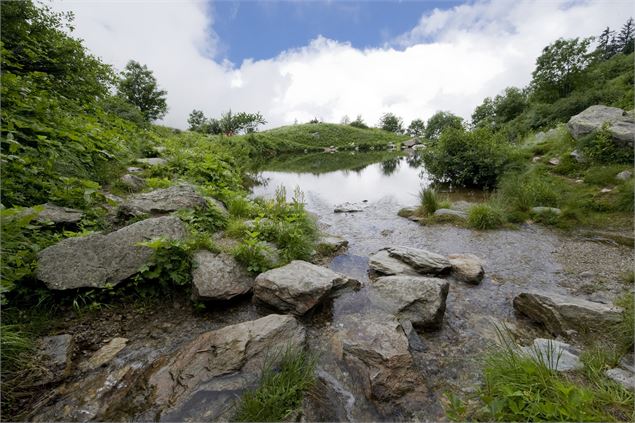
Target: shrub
600, 148
484, 216
523, 191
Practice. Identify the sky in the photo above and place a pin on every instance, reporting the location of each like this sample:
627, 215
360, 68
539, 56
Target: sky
298, 60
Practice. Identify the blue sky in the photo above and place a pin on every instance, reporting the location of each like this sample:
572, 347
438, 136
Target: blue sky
263, 29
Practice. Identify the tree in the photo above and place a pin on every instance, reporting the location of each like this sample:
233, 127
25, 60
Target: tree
416, 128
359, 123
345, 120
483, 115
625, 40
559, 68
139, 86
196, 120
605, 42
232, 124
391, 123
439, 121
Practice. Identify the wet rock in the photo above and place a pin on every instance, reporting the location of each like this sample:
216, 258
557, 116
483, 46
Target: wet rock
451, 213
347, 208
218, 277
299, 286
624, 175
382, 263
132, 182
559, 313
556, 355
99, 260
331, 244
57, 353
105, 354
418, 299
376, 350
164, 201
467, 268
621, 126
57, 215
407, 211
622, 377
201, 380
152, 161
546, 210
423, 261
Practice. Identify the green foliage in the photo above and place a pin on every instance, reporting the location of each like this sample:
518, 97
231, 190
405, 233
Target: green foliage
429, 201
391, 123
469, 158
283, 382
485, 216
255, 254
416, 128
600, 148
139, 87
171, 266
207, 220
439, 122
504, 108
358, 123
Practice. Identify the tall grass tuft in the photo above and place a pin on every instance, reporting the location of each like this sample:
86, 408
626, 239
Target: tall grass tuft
285, 377
429, 201
485, 216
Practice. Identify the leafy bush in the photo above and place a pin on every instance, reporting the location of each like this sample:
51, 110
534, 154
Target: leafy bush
469, 158
600, 148
285, 378
484, 216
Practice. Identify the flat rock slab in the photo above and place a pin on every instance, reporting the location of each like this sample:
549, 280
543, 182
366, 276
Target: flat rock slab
164, 201
57, 353
106, 353
382, 263
423, 261
467, 268
556, 355
560, 313
202, 379
99, 260
418, 299
51, 213
217, 276
299, 286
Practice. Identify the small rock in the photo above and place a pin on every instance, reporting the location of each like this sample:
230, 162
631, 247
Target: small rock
58, 353
577, 156
423, 261
105, 353
59, 215
386, 232
467, 268
556, 355
132, 182
164, 201
623, 377
624, 176
451, 213
153, 161
218, 277
536, 159
606, 190
554, 162
546, 210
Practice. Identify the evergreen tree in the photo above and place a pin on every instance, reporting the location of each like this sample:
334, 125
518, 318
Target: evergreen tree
625, 38
604, 43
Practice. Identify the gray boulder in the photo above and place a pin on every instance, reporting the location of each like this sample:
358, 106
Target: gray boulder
546, 210
132, 182
624, 175
330, 244
152, 161
218, 277
59, 215
382, 263
164, 201
418, 299
560, 313
467, 268
451, 213
99, 260
299, 286
423, 261
622, 377
621, 126
200, 381
556, 355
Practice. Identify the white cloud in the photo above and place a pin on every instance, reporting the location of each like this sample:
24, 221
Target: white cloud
450, 61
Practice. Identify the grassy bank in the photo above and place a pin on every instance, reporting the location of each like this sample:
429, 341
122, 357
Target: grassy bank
317, 163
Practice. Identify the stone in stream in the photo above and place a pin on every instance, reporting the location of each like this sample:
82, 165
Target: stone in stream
164, 201
330, 244
467, 268
376, 350
556, 355
299, 286
423, 261
382, 263
560, 314
202, 380
418, 299
57, 353
99, 260
217, 276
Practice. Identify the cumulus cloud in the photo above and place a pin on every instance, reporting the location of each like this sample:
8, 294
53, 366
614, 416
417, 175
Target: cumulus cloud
450, 61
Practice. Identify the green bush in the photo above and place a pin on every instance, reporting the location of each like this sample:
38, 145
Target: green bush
523, 191
600, 148
484, 216
469, 158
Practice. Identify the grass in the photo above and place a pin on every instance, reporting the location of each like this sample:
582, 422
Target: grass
485, 216
285, 378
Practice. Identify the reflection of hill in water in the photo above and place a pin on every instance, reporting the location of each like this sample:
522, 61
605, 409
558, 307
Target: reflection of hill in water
318, 163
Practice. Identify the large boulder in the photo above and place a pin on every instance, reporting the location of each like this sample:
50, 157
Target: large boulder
376, 350
382, 263
299, 286
59, 215
418, 299
621, 126
164, 201
206, 375
98, 260
560, 314
467, 268
218, 277
423, 261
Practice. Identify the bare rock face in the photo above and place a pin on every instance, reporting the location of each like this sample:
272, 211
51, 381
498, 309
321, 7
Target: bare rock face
218, 277
561, 313
299, 286
423, 261
98, 260
621, 126
164, 201
376, 349
206, 375
418, 299
467, 268
57, 353
106, 353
